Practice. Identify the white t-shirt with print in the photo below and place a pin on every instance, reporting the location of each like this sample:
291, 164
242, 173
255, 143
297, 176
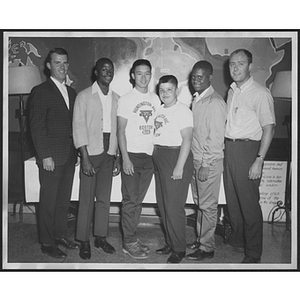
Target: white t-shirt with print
140, 110
169, 122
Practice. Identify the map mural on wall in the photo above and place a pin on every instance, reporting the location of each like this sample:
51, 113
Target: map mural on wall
168, 55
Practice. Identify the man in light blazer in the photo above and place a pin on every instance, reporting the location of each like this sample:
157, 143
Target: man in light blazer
50, 115
95, 135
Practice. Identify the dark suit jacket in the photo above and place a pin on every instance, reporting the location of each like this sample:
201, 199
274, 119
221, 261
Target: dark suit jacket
51, 122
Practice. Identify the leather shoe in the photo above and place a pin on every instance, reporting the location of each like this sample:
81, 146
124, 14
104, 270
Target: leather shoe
85, 250
101, 242
176, 257
165, 250
200, 255
53, 251
194, 245
66, 243
250, 260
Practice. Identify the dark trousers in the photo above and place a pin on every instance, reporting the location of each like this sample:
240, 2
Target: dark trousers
134, 189
242, 197
55, 194
97, 187
171, 195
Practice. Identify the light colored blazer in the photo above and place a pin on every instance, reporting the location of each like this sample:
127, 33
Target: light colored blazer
88, 122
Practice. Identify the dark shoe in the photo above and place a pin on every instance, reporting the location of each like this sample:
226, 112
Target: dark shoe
53, 251
85, 250
176, 257
200, 255
165, 250
66, 243
250, 260
101, 242
194, 245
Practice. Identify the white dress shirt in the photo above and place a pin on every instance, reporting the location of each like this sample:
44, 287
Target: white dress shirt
106, 106
63, 89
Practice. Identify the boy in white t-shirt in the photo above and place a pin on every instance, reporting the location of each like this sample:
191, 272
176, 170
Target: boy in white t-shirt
136, 113
173, 165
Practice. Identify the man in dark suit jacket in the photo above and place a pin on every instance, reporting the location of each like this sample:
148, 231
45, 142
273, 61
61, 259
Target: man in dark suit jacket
51, 109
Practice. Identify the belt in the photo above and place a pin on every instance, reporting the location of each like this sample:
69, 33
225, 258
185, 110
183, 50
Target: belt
240, 140
159, 147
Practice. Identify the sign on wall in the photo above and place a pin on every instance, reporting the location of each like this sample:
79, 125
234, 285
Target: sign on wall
272, 188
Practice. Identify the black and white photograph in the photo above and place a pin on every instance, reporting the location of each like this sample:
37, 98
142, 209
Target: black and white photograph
150, 150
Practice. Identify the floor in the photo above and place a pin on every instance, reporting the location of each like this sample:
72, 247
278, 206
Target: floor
23, 249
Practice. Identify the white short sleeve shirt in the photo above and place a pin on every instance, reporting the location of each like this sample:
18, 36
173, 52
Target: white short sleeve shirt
140, 110
169, 122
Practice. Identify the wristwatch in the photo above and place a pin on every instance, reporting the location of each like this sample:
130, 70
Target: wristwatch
260, 156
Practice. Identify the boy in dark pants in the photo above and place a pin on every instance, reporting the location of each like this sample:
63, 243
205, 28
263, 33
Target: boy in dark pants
173, 164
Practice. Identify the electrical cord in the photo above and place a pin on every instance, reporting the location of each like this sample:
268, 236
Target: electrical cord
276, 219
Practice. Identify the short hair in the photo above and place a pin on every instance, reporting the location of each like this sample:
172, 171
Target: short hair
140, 62
168, 79
204, 65
101, 61
60, 51
246, 52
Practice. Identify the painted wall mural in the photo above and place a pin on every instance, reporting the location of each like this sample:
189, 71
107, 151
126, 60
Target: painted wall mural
168, 55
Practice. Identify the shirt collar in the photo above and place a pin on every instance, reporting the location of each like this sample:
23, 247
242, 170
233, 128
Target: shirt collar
244, 86
202, 95
96, 89
58, 82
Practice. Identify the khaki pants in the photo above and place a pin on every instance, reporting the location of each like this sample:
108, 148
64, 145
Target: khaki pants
206, 196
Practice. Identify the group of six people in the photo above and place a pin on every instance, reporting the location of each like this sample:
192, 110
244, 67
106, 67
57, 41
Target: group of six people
141, 134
